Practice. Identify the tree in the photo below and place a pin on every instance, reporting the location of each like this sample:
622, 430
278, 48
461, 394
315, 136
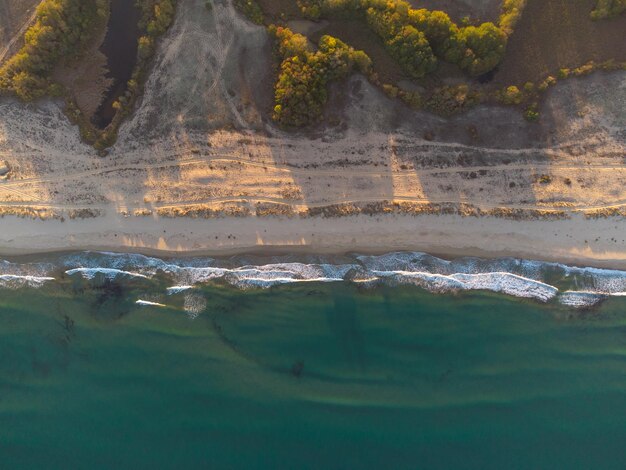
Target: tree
486, 45
301, 89
412, 51
61, 27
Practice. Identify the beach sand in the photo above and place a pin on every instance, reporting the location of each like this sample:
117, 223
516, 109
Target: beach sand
600, 243
198, 141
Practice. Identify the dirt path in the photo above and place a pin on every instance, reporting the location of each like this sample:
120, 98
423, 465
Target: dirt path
266, 166
17, 36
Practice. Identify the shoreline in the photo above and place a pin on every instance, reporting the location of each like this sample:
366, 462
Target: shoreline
578, 241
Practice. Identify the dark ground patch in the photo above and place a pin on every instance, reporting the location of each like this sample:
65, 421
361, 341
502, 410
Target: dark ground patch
279, 9
554, 34
488, 10
357, 34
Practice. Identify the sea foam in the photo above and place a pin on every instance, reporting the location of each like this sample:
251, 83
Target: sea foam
576, 287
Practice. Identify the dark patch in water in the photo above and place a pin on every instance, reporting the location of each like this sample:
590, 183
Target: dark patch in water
297, 368
112, 300
120, 48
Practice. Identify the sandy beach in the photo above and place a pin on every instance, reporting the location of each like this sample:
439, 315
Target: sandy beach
600, 243
198, 144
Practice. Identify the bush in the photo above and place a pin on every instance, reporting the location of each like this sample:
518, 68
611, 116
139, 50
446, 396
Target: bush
311, 9
511, 13
548, 82
391, 91
412, 98
250, 9
608, 9
450, 100
510, 95
532, 114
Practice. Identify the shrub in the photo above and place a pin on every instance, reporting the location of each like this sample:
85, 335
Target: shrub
311, 9
411, 98
250, 9
608, 9
532, 114
510, 95
390, 90
449, 100
563, 73
548, 82
544, 179
511, 13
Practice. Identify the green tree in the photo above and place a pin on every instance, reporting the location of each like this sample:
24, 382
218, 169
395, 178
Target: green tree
486, 45
61, 27
412, 51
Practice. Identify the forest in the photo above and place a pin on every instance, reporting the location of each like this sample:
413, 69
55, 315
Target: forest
61, 28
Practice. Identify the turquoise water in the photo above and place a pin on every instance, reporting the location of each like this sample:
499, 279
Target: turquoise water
306, 375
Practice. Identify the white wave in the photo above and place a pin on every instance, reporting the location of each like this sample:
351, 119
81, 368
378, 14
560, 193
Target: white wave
580, 299
285, 273
14, 281
177, 289
263, 275
191, 276
516, 277
109, 273
605, 281
502, 282
121, 261
147, 303
41, 270
266, 283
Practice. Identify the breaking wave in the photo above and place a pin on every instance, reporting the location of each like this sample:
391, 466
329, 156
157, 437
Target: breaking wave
576, 287
148, 303
91, 273
11, 281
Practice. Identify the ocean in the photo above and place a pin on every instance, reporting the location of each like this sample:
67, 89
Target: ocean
398, 361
